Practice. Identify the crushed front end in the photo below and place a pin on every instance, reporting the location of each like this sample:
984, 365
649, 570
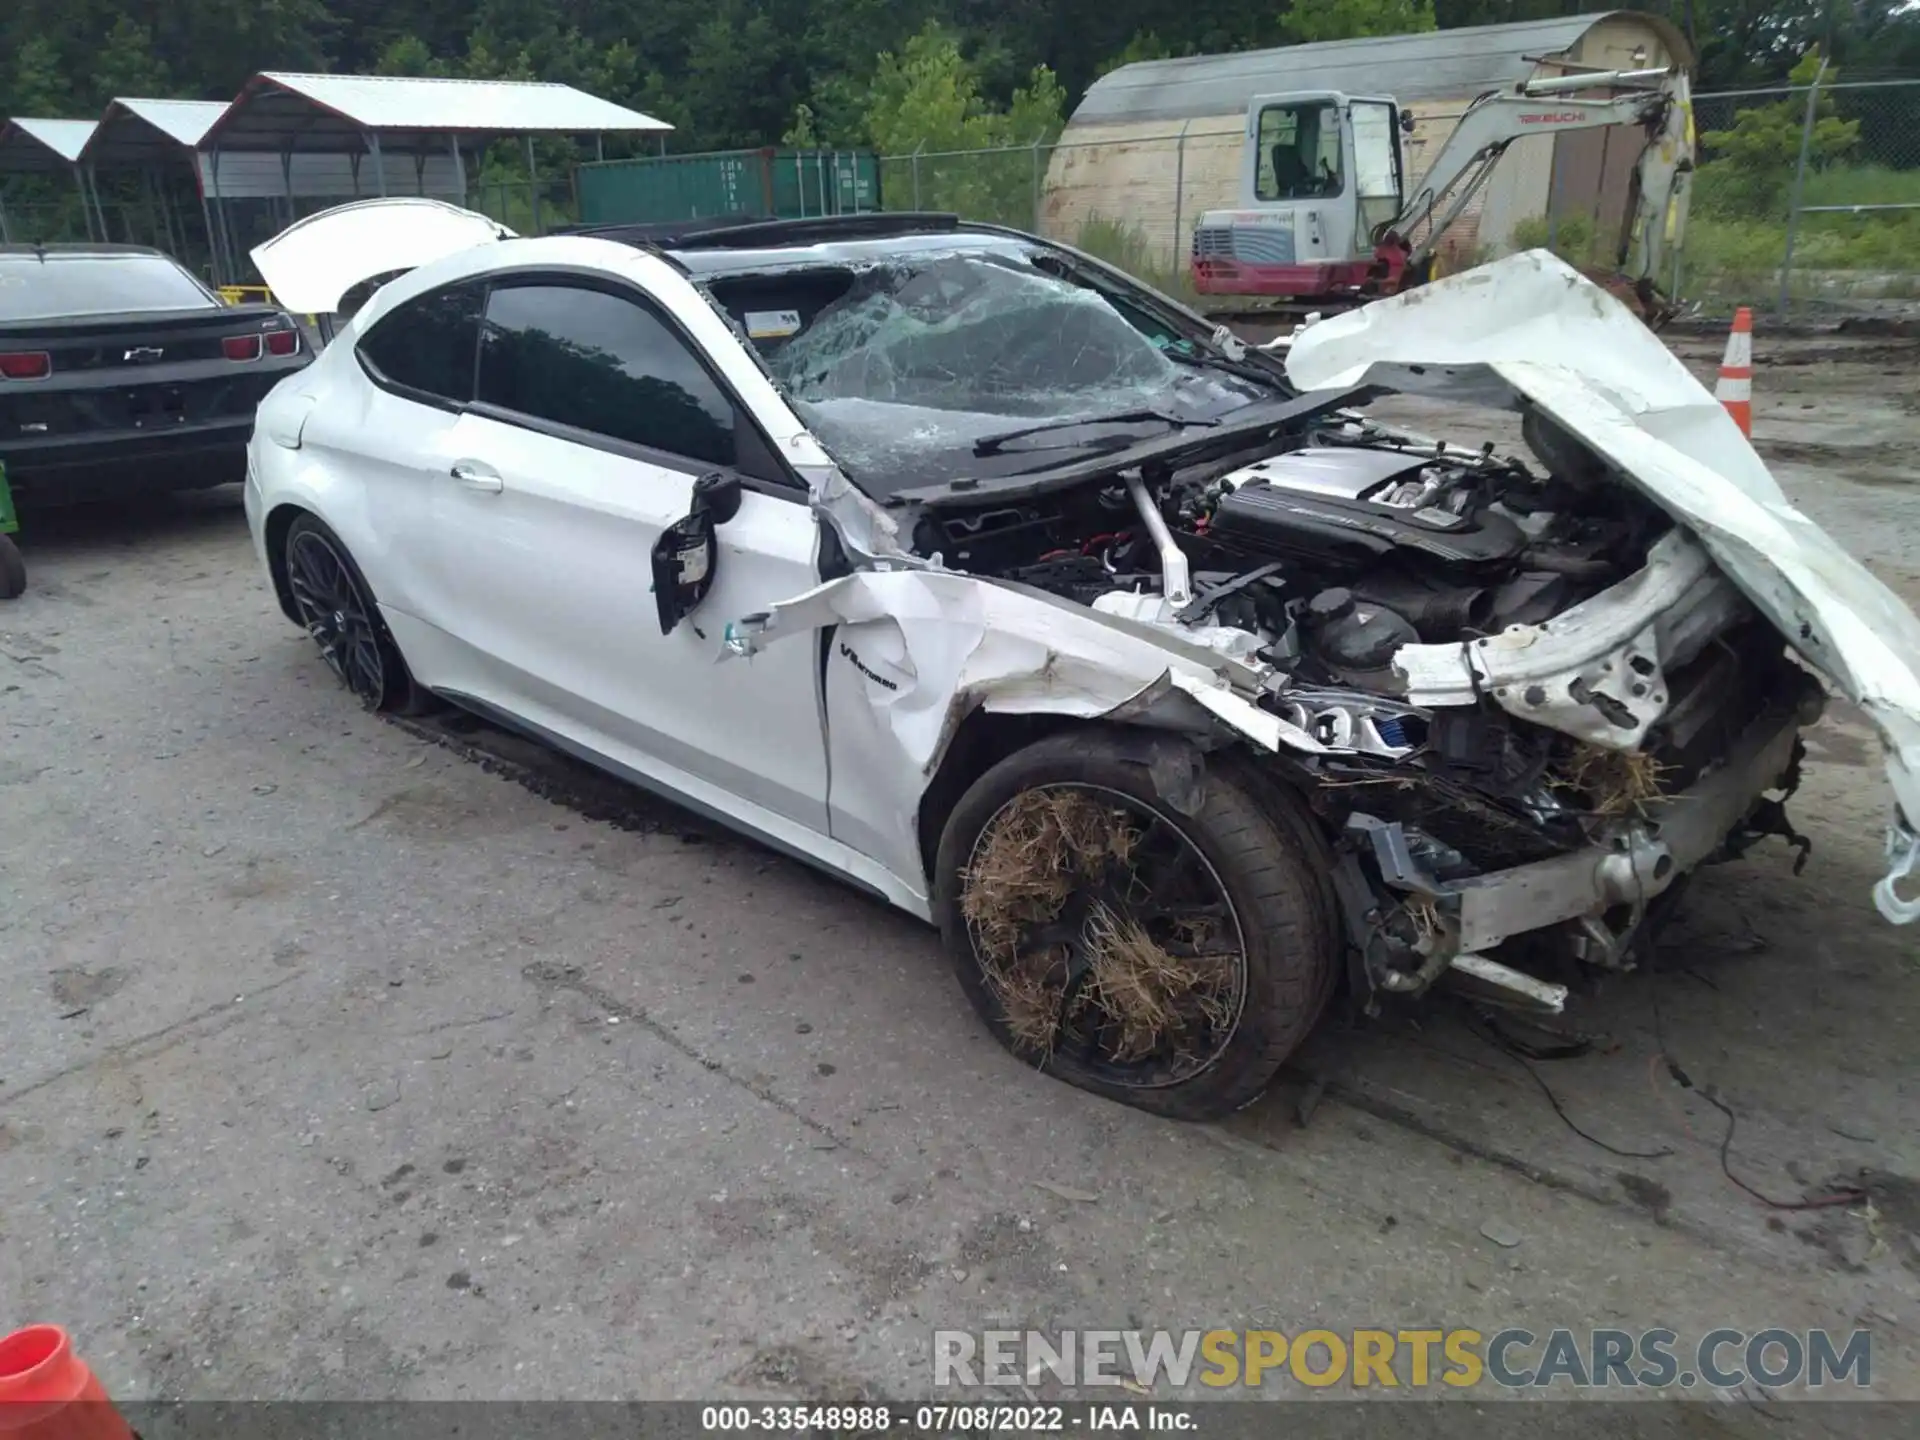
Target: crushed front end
1523, 702
1525, 695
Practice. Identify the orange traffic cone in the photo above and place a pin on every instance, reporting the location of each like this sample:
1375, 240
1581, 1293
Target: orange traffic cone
1735, 387
48, 1393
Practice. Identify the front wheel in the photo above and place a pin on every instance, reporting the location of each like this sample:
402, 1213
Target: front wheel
1169, 956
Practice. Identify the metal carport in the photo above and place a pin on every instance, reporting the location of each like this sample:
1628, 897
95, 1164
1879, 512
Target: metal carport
291, 137
157, 139
43, 147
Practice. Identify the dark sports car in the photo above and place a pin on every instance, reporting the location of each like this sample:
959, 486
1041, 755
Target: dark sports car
120, 372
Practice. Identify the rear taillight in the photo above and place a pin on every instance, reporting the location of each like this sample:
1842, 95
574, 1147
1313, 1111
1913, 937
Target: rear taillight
25, 365
241, 347
283, 342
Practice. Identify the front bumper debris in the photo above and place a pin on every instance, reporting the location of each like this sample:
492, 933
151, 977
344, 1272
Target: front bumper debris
1646, 856
1601, 892
1903, 854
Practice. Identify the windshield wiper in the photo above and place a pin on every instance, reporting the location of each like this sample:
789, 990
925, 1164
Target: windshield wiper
994, 444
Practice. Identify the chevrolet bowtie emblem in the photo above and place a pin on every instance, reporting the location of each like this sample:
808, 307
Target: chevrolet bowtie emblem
141, 353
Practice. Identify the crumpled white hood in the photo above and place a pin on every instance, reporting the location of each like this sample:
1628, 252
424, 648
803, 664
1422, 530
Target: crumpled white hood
1583, 358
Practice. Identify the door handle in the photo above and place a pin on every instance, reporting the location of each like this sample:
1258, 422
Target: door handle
477, 477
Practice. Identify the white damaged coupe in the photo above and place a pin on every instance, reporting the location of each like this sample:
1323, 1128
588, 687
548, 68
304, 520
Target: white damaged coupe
1178, 693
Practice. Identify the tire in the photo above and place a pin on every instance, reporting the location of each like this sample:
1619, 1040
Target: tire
333, 601
13, 569
1262, 856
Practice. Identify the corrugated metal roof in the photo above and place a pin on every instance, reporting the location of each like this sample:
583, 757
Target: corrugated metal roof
1436, 65
182, 120
145, 132
325, 112
26, 143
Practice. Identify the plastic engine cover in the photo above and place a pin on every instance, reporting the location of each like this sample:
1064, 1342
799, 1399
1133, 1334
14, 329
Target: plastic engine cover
1270, 519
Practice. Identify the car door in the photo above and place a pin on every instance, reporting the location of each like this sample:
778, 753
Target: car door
593, 418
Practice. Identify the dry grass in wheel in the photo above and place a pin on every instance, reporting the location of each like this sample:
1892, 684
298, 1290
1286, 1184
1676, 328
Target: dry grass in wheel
1037, 853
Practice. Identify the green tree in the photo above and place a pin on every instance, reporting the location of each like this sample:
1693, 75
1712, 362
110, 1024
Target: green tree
927, 98
803, 133
928, 95
127, 64
1754, 159
408, 55
1311, 20
38, 86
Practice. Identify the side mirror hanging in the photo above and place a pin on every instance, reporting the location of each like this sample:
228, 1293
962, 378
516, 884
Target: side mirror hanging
685, 555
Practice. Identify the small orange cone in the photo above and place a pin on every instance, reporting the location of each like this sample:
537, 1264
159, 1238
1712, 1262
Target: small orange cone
48, 1393
1735, 387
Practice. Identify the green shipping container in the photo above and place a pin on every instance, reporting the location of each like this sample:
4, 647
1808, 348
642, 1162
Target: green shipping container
788, 184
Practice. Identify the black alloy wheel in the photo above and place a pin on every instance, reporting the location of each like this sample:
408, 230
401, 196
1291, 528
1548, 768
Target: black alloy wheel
1163, 946
335, 606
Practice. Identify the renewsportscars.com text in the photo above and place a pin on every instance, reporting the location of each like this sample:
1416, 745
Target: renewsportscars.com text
1404, 1358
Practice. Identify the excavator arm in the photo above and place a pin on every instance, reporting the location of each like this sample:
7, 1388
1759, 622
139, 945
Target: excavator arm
1659, 104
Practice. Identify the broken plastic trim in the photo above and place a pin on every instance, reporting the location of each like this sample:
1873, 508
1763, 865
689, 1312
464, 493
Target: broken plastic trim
1903, 854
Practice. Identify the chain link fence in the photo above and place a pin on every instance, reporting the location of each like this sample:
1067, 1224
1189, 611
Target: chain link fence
1805, 195
1131, 201
167, 218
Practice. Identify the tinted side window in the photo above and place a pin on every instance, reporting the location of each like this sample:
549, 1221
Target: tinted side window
601, 363
427, 344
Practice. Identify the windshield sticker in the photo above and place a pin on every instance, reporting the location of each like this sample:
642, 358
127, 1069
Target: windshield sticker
772, 324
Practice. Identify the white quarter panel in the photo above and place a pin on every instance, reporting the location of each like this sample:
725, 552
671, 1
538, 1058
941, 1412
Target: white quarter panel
383, 457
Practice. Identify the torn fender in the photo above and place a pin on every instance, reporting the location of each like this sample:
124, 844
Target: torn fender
935, 644
1533, 327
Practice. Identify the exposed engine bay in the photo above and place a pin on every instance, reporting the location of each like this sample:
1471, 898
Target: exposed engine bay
1336, 569
1526, 698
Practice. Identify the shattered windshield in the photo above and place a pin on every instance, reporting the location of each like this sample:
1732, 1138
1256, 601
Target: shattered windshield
936, 366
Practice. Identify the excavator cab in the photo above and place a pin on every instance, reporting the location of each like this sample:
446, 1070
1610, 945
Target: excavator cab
1321, 171
1327, 213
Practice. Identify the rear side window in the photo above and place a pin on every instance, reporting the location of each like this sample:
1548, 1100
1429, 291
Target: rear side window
427, 344
601, 363
64, 286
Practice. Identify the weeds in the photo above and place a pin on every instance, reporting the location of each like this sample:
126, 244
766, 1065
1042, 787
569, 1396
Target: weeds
1613, 783
1146, 992
1127, 248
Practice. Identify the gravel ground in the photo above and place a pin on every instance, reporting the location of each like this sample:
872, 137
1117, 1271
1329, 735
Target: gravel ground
336, 1064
